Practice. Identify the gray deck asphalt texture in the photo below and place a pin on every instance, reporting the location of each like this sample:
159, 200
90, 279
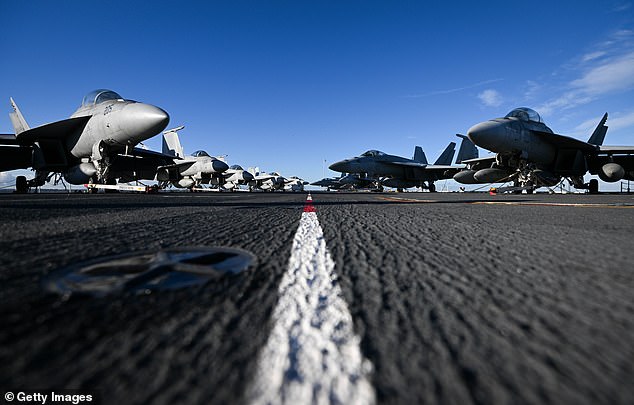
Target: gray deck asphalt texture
455, 301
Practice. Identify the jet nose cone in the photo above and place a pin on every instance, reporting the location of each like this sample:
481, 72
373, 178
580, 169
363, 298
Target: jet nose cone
488, 135
219, 166
246, 176
142, 121
340, 166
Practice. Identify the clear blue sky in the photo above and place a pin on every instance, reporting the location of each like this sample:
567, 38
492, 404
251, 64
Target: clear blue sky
285, 85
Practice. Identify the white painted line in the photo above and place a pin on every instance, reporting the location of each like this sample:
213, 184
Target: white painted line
312, 355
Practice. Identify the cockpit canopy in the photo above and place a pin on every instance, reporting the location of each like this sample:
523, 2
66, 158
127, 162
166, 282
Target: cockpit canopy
236, 167
200, 153
99, 96
525, 114
373, 153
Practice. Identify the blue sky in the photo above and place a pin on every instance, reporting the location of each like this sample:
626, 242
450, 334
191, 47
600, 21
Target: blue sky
285, 85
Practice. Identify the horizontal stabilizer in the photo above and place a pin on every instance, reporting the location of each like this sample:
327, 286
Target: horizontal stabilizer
467, 149
14, 157
598, 135
485, 159
447, 156
59, 130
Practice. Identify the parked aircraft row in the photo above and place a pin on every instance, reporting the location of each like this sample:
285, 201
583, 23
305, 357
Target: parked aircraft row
527, 153
97, 144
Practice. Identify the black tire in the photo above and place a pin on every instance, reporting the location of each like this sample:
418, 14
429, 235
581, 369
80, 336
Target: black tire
21, 185
111, 182
432, 188
593, 186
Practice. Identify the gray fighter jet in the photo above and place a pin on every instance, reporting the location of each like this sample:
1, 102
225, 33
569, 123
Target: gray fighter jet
85, 147
266, 181
531, 155
352, 181
417, 172
294, 184
188, 171
235, 177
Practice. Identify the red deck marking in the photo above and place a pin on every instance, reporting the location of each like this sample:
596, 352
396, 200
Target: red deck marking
308, 206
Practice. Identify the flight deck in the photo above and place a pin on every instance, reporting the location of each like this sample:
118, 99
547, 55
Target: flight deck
440, 297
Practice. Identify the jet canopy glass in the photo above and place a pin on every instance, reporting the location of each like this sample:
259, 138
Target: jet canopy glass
373, 153
236, 167
99, 96
525, 114
200, 153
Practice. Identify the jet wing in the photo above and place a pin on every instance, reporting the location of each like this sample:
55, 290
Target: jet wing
444, 167
485, 159
180, 163
14, 156
58, 130
422, 166
616, 150
565, 142
8, 139
141, 164
479, 163
263, 177
406, 164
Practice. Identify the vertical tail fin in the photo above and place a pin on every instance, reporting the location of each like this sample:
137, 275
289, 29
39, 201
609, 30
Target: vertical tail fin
446, 157
598, 135
171, 143
17, 119
419, 155
467, 149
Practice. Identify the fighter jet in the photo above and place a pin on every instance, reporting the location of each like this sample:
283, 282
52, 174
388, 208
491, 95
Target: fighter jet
411, 172
328, 182
294, 184
352, 181
188, 171
265, 181
236, 176
83, 148
531, 155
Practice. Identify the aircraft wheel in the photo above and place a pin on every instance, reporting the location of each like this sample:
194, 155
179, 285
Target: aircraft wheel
399, 190
432, 188
111, 182
21, 185
593, 186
